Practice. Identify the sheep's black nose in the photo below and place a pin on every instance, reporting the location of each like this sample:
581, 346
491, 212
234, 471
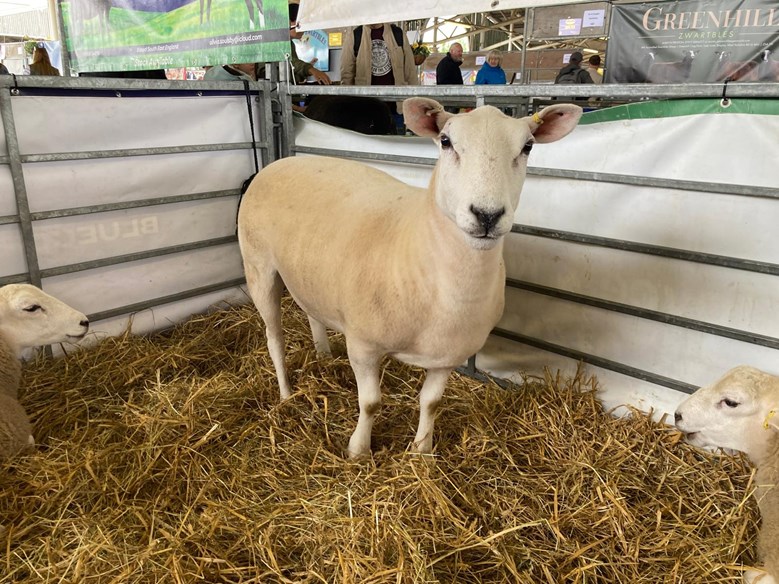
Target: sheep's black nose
677, 417
487, 219
84, 323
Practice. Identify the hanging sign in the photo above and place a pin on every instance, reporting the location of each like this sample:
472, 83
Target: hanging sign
130, 35
693, 41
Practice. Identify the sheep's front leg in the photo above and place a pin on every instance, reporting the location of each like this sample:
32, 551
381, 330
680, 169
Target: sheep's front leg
429, 398
365, 364
321, 342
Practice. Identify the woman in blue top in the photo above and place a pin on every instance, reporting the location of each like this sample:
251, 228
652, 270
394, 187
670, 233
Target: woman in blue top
491, 73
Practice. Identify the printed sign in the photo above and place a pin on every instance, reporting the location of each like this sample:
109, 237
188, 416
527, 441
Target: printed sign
313, 47
594, 18
570, 26
694, 41
131, 35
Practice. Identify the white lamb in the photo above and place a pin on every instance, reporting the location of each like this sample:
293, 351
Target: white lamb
739, 412
411, 273
28, 318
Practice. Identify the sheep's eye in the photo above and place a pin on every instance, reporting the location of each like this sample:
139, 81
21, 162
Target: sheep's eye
528, 147
445, 141
32, 308
730, 403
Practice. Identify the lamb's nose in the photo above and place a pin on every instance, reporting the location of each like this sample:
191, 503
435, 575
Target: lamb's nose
487, 219
677, 417
84, 323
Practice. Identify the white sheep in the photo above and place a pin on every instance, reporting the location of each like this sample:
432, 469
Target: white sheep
738, 412
28, 318
416, 274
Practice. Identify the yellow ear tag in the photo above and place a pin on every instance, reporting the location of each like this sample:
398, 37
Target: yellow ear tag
766, 423
537, 119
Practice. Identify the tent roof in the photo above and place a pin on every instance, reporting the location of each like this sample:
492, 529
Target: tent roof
316, 14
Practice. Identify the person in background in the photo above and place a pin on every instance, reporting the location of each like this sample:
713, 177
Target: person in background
572, 73
593, 64
301, 69
242, 71
448, 70
491, 73
41, 64
4, 70
377, 54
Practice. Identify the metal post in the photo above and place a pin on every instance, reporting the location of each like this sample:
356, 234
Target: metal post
20, 190
55, 10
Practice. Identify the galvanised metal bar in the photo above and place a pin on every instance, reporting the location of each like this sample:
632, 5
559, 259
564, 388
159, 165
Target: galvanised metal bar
132, 257
5, 159
378, 156
20, 189
682, 185
126, 153
266, 129
154, 302
7, 219
597, 361
630, 92
287, 123
113, 84
654, 315
15, 279
667, 252
90, 209
664, 183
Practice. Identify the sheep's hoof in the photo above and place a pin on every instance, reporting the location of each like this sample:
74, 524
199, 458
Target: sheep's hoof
758, 577
358, 451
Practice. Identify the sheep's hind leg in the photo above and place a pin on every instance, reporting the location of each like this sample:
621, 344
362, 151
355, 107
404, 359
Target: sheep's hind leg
365, 364
321, 342
429, 399
265, 291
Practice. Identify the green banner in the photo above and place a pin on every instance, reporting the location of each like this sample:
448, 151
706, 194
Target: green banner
132, 35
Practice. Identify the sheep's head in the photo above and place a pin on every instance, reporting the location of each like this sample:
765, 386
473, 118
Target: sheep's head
30, 318
738, 412
483, 161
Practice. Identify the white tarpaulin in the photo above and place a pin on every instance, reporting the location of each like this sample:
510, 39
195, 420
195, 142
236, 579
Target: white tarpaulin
341, 13
98, 122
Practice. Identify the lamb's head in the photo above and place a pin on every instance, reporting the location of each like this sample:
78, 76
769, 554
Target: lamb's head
30, 318
736, 412
483, 161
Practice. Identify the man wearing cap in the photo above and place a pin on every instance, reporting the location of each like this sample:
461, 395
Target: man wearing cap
572, 73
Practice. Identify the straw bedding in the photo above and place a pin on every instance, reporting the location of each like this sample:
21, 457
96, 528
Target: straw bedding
170, 459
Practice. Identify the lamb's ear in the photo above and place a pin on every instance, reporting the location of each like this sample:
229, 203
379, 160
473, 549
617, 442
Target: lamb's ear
554, 122
424, 117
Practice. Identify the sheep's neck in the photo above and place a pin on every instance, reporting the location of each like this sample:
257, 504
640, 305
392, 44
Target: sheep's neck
767, 475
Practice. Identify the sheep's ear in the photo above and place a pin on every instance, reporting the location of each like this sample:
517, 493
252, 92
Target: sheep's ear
424, 117
554, 122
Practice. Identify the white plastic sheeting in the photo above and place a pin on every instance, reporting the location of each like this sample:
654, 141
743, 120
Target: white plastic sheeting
716, 147
98, 123
340, 13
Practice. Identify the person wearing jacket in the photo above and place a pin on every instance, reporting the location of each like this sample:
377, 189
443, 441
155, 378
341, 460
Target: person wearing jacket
379, 59
572, 73
491, 73
448, 70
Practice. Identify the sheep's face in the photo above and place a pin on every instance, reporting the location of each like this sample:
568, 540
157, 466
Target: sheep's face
483, 161
733, 413
29, 318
